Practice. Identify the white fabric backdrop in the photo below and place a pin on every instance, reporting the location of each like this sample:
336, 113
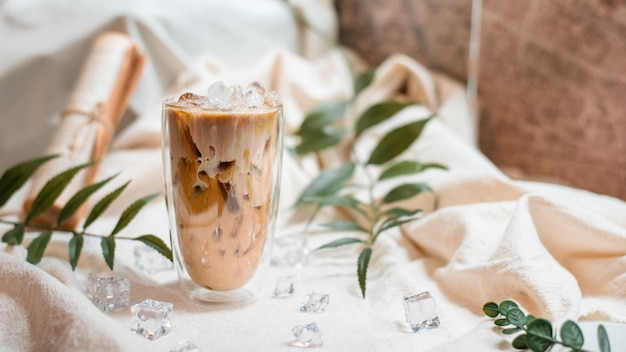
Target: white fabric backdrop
560, 252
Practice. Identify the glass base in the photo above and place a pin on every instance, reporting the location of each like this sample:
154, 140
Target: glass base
222, 299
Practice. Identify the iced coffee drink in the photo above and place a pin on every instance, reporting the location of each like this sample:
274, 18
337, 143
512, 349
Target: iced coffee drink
222, 160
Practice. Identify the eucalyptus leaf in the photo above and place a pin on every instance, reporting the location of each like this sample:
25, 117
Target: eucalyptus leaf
516, 317
408, 167
362, 263
129, 213
316, 142
363, 80
328, 182
108, 250
51, 190
405, 191
157, 244
511, 331
340, 242
396, 142
79, 198
491, 309
344, 226
321, 117
75, 247
37, 247
501, 322
571, 334
391, 223
539, 335
103, 204
378, 113
529, 319
337, 200
519, 342
603, 339
15, 177
507, 305
15, 235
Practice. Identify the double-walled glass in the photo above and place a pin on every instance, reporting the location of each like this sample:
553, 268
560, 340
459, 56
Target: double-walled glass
222, 178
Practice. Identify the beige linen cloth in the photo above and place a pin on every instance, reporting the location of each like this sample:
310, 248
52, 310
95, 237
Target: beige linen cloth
559, 252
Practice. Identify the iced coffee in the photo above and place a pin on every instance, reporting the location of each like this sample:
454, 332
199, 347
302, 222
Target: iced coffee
222, 158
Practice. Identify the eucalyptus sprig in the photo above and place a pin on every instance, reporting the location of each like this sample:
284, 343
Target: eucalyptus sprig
15, 177
325, 127
538, 333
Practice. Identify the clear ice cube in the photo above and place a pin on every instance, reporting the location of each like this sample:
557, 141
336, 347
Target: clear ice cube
284, 286
191, 100
421, 312
219, 96
108, 293
272, 99
308, 335
314, 302
150, 261
151, 318
185, 346
235, 97
290, 250
255, 95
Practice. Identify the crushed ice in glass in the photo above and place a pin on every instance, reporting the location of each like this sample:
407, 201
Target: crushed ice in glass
421, 312
151, 318
222, 97
314, 302
151, 261
284, 286
290, 250
308, 335
108, 293
185, 346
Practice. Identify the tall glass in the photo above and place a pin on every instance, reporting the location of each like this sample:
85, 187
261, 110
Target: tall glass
222, 175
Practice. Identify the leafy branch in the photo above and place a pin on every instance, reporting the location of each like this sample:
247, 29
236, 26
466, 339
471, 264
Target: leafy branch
325, 127
538, 333
15, 177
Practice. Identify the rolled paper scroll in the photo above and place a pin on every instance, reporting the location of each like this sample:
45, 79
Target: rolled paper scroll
89, 120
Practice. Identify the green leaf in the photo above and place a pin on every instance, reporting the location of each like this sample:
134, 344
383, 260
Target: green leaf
78, 199
529, 319
363, 262
344, 226
405, 191
516, 317
315, 142
603, 339
108, 250
400, 212
157, 244
321, 117
396, 142
103, 204
51, 190
407, 168
539, 335
501, 322
37, 247
571, 335
363, 80
15, 235
511, 331
74, 248
491, 309
507, 305
15, 177
391, 223
328, 182
129, 213
520, 342
378, 113
340, 242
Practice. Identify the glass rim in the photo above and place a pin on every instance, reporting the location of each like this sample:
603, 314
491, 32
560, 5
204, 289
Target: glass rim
170, 102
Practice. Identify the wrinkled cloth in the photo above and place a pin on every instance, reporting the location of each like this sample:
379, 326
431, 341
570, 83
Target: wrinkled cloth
559, 252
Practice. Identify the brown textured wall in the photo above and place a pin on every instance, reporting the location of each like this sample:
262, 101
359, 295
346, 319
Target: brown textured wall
552, 77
